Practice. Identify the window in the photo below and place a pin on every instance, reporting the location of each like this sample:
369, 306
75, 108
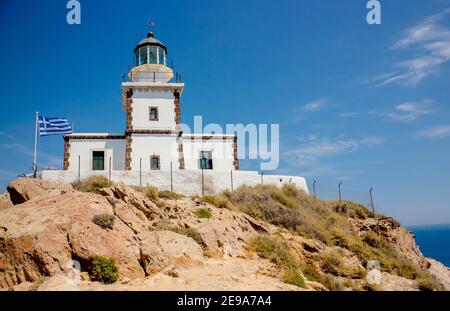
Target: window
154, 115
206, 162
98, 160
155, 163
152, 53
143, 55
161, 56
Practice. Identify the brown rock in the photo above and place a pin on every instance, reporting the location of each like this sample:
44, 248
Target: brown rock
160, 249
24, 189
88, 240
440, 272
5, 200
133, 197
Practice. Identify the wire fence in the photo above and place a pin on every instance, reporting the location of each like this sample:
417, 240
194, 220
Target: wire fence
341, 192
209, 181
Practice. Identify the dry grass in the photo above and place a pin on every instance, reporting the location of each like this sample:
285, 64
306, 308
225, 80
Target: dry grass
169, 195
92, 184
105, 221
277, 251
219, 201
332, 263
326, 221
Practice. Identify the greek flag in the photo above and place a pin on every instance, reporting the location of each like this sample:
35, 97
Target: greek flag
54, 126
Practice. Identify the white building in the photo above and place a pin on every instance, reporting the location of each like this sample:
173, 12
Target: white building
153, 139
153, 150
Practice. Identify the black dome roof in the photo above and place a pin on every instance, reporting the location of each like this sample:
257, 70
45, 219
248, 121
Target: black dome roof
150, 40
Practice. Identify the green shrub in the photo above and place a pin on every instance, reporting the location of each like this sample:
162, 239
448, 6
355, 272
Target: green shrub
310, 272
203, 213
327, 221
373, 240
332, 283
292, 276
166, 194
104, 270
190, 232
333, 264
273, 249
93, 184
427, 283
104, 220
219, 201
151, 193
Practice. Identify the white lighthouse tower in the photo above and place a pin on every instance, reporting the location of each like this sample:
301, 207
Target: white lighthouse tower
152, 106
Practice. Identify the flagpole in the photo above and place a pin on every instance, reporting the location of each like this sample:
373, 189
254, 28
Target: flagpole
35, 146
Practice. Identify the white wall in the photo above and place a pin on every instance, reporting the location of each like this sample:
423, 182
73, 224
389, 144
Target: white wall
165, 101
221, 150
145, 145
114, 148
184, 181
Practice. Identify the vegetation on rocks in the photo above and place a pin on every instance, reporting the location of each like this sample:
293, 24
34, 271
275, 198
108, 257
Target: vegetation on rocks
202, 213
169, 195
92, 184
312, 243
189, 232
104, 220
104, 270
278, 251
151, 193
326, 221
154, 195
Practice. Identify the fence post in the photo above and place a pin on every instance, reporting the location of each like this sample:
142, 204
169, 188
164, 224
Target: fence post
232, 188
109, 173
314, 189
203, 184
171, 178
262, 178
140, 172
339, 188
371, 201
79, 170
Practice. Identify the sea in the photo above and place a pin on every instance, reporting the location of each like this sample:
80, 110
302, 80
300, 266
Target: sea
434, 241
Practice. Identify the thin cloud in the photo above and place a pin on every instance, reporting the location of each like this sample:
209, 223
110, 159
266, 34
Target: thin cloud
373, 141
348, 114
48, 160
19, 148
430, 43
435, 132
409, 111
315, 105
319, 148
311, 107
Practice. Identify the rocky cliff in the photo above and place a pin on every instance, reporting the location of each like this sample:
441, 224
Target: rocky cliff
171, 242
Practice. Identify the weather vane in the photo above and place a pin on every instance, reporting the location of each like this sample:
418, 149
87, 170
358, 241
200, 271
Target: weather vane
151, 24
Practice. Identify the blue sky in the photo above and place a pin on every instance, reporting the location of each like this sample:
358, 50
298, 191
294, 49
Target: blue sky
365, 105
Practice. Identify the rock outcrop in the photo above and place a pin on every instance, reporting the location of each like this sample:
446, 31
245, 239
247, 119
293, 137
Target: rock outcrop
45, 227
48, 225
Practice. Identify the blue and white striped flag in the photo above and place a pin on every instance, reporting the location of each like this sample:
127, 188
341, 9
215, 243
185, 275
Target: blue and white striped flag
54, 126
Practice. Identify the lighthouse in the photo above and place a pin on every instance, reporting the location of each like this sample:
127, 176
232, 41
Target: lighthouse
153, 139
